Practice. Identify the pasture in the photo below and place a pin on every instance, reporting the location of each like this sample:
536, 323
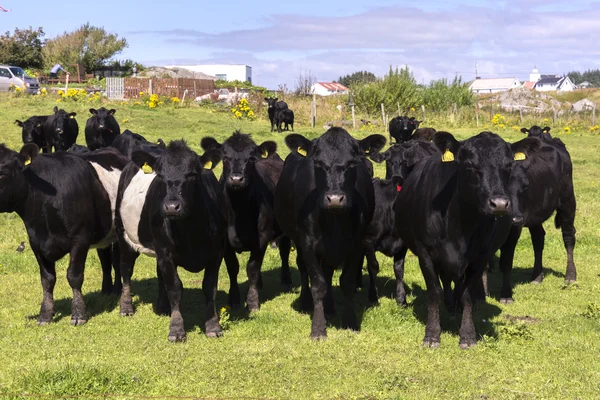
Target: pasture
545, 345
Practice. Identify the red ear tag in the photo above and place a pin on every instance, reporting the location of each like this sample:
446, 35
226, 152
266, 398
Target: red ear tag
398, 188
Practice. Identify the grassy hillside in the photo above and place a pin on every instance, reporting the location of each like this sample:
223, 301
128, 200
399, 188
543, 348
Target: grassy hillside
545, 345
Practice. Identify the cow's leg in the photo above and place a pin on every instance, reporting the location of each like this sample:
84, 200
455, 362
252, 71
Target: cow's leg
449, 300
75, 272
162, 302
434, 294
468, 337
209, 287
174, 288
285, 245
507, 253
48, 276
373, 270
399, 272
359, 271
318, 288
328, 302
127, 260
306, 300
347, 283
116, 259
233, 269
292, 124
537, 239
565, 219
253, 271
105, 256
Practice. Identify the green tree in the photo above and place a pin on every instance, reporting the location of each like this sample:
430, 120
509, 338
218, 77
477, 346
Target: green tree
23, 48
358, 77
591, 75
92, 46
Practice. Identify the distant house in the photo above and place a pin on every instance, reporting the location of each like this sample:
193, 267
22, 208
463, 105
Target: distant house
225, 72
329, 88
547, 83
494, 85
584, 85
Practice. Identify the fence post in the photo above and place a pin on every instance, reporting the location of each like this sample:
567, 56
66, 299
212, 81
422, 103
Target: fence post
67, 83
195, 93
383, 114
353, 118
423, 110
521, 114
491, 111
553, 117
399, 112
313, 110
594, 116
150, 87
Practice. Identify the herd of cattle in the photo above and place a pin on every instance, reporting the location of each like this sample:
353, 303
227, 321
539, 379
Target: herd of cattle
452, 203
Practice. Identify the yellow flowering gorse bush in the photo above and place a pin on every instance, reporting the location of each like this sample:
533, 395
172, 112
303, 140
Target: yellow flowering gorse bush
242, 110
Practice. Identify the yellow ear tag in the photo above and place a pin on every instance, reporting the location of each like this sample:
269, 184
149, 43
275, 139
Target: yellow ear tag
146, 168
28, 161
519, 156
301, 151
208, 165
447, 156
38, 125
265, 154
72, 116
367, 151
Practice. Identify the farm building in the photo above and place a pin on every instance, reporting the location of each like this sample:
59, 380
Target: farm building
494, 85
329, 88
547, 83
226, 72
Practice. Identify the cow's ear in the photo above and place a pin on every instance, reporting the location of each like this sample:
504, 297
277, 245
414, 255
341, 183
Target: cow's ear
209, 143
72, 115
447, 144
112, 111
93, 111
144, 160
398, 182
161, 144
55, 109
267, 149
525, 130
524, 147
28, 153
211, 158
546, 129
380, 157
298, 144
19, 123
372, 144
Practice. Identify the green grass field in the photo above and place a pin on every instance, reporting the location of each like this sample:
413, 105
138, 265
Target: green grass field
545, 345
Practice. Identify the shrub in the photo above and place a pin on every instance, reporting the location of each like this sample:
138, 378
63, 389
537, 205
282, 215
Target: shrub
242, 110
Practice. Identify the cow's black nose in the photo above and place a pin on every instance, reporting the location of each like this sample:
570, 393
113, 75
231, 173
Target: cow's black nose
172, 207
499, 205
236, 179
335, 200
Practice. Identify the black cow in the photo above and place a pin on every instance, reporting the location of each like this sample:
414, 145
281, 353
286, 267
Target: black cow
537, 132
101, 128
402, 127
250, 174
324, 202
446, 214
171, 207
549, 188
284, 116
128, 142
273, 106
423, 134
33, 130
381, 236
79, 149
60, 130
65, 203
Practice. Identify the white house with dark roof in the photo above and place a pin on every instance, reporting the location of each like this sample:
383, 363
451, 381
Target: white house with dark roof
494, 85
329, 88
547, 83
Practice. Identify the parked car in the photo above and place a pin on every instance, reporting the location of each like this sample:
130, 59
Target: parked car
10, 75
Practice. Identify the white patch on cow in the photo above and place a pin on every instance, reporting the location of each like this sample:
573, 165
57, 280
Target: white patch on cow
132, 204
110, 182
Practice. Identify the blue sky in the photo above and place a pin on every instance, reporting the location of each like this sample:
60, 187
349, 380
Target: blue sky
281, 39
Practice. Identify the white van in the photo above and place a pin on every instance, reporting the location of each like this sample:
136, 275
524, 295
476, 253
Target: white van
16, 76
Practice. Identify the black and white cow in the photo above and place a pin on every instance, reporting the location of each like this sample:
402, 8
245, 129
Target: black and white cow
324, 202
170, 206
250, 175
101, 128
66, 204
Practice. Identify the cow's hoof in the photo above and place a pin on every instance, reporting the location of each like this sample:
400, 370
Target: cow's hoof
78, 321
177, 337
214, 334
431, 343
401, 301
126, 312
569, 281
286, 287
253, 308
43, 322
536, 280
320, 336
506, 300
467, 345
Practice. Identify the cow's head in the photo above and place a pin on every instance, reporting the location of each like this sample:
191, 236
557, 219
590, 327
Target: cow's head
406, 126
400, 159
62, 120
271, 101
537, 132
485, 164
336, 159
522, 150
240, 154
102, 117
32, 128
12, 182
179, 170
